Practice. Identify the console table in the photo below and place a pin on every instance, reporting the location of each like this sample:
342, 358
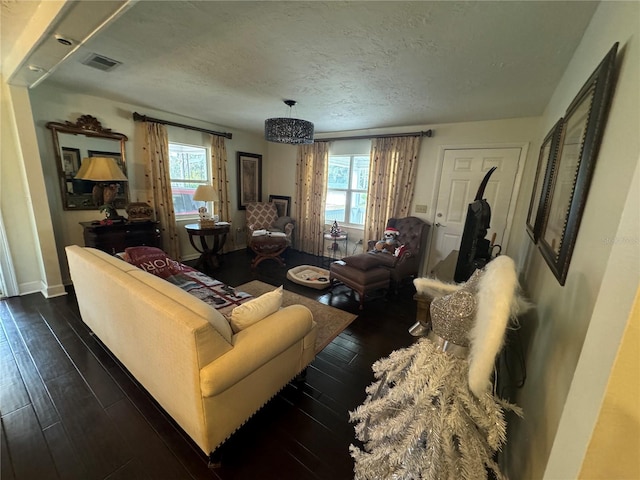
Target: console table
208, 254
116, 237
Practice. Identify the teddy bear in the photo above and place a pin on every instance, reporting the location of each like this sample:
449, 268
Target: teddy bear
389, 242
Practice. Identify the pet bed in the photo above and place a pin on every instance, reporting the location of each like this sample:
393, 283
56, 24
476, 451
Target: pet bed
309, 276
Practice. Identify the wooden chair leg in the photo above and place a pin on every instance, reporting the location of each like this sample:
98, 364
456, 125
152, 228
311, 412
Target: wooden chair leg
361, 295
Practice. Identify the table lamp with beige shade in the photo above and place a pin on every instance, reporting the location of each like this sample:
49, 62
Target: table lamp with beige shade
206, 193
103, 171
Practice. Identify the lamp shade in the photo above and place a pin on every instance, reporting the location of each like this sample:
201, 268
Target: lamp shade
287, 129
205, 193
100, 169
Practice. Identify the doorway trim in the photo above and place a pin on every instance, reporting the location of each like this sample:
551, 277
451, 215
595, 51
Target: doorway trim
8, 281
524, 149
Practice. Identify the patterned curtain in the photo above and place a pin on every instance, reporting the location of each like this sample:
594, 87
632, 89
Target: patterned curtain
221, 183
156, 160
392, 175
311, 174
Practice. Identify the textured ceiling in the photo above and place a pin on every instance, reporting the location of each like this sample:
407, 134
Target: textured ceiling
13, 16
350, 65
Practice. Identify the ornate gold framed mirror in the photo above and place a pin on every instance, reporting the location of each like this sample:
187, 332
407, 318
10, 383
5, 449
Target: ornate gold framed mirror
73, 143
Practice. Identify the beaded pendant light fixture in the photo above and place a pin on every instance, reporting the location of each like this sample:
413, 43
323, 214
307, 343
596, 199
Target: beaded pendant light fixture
287, 129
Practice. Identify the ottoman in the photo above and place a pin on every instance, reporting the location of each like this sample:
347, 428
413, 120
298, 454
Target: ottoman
359, 280
268, 246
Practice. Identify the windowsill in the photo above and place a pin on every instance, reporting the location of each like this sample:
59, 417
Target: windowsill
187, 218
347, 226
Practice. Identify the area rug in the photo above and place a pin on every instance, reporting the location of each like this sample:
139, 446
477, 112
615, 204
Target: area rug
331, 321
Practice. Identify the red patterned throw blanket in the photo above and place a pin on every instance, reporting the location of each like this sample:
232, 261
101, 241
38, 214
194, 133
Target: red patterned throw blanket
207, 289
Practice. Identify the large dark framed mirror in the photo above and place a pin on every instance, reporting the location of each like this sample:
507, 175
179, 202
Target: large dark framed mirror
73, 143
568, 182
547, 162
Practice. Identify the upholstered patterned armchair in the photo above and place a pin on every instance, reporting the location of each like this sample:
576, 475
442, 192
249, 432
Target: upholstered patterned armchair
264, 216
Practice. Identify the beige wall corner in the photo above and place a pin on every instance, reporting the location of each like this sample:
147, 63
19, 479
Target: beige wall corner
614, 446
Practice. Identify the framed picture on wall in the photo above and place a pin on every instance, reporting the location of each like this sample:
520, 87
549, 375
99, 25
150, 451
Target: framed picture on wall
249, 179
283, 204
70, 161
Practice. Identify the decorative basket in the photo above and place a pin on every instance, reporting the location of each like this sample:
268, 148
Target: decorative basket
139, 212
207, 223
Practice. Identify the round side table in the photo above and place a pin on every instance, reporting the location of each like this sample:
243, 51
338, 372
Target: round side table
334, 247
209, 257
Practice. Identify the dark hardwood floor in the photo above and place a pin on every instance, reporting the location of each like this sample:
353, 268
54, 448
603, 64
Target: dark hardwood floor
71, 411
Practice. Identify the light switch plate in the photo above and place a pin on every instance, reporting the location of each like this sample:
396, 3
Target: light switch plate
421, 209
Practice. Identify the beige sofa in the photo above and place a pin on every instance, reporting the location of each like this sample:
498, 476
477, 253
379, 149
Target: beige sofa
183, 351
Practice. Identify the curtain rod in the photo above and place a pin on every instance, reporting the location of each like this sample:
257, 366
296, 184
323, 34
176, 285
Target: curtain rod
428, 133
143, 118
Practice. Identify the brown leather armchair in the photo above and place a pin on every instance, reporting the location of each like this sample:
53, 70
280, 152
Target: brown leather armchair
373, 270
412, 233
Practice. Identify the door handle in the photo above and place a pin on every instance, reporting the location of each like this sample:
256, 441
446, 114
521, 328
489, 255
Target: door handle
438, 224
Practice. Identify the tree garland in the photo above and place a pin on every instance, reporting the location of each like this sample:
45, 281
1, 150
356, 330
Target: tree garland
421, 421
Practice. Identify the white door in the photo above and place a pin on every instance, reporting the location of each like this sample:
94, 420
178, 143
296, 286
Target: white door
462, 172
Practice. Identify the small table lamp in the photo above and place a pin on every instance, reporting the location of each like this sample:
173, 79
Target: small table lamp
103, 170
206, 193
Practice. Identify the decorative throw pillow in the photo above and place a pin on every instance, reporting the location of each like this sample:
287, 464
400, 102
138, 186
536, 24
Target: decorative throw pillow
400, 251
253, 311
154, 260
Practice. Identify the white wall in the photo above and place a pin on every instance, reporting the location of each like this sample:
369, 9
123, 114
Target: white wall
51, 103
555, 334
15, 203
29, 230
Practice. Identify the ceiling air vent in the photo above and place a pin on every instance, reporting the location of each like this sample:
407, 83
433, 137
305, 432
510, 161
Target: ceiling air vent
101, 62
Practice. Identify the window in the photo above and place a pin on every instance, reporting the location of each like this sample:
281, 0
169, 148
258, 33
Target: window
347, 184
188, 168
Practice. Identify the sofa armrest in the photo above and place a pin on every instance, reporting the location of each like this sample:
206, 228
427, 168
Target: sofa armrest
256, 346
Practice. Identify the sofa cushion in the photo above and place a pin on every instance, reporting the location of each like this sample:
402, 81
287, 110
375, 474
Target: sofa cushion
155, 261
255, 310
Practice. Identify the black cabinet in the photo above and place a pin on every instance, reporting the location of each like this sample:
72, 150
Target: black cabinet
118, 236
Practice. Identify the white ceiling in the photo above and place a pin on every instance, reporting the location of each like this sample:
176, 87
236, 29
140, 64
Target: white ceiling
350, 65
14, 16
